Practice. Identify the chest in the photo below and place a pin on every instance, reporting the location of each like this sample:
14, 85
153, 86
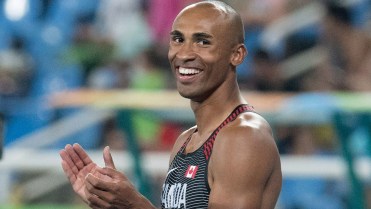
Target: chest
186, 184
194, 143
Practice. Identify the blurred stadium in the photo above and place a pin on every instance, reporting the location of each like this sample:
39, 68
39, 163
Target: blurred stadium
96, 73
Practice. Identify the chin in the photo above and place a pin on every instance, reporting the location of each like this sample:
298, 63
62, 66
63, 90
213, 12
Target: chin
184, 94
191, 93
191, 96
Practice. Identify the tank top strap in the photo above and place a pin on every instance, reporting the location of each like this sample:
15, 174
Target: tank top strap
208, 145
237, 111
186, 141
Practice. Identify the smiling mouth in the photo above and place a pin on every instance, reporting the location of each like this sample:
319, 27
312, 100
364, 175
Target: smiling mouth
188, 71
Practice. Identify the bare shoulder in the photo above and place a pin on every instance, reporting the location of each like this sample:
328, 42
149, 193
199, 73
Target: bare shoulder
246, 143
245, 165
250, 130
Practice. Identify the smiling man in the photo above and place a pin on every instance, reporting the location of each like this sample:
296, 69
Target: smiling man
229, 159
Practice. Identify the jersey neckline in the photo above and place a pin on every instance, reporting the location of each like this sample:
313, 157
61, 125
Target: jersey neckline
231, 117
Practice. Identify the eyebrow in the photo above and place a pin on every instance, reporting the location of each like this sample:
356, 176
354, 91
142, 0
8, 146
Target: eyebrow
202, 35
176, 33
195, 35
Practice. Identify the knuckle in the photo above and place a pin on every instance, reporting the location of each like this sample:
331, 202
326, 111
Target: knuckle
90, 198
95, 183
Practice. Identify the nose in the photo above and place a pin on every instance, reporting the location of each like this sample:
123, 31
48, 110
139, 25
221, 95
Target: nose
186, 52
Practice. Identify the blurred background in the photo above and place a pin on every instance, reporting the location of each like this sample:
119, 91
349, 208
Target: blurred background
96, 73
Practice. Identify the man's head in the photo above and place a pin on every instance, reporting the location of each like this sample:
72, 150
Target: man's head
223, 12
206, 46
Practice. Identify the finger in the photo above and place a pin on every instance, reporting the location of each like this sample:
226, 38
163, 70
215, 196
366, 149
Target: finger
95, 206
101, 175
111, 174
108, 160
77, 161
82, 154
99, 183
95, 202
68, 171
94, 196
100, 188
67, 159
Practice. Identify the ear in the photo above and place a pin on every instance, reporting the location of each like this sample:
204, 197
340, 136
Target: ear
239, 54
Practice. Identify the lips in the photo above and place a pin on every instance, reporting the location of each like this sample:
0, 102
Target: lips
187, 74
188, 71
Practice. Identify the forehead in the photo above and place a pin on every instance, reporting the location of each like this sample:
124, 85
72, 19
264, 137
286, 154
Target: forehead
204, 18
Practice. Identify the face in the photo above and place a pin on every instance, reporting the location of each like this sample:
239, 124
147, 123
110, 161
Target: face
200, 52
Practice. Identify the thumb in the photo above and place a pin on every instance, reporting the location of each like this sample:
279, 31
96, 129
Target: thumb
108, 160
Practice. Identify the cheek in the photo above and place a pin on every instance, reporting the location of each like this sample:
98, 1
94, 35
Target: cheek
170, 54
217, 55
217, 61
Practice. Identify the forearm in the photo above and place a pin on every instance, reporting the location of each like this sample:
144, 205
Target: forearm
143, 203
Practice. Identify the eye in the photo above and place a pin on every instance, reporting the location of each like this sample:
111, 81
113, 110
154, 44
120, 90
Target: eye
203, 42
177, 39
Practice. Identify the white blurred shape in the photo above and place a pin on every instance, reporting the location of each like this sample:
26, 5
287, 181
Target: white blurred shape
16, 9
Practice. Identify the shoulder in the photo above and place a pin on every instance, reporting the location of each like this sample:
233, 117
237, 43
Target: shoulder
244, 142
244, 168
249, 128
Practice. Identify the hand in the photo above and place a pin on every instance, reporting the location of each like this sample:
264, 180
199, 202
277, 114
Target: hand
107, 188
77, 165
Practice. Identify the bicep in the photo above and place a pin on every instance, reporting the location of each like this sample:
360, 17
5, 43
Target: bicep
240, 170
235, 197
238, 189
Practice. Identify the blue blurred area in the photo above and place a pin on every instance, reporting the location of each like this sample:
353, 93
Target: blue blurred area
46, 30
309, 193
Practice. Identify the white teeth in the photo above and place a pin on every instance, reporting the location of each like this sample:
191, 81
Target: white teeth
188, 71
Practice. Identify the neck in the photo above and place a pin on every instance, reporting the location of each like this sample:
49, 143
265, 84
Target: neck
212, 111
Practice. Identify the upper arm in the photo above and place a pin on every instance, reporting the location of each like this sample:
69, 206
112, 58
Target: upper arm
244, 160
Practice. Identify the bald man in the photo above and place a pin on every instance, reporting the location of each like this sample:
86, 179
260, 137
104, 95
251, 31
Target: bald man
229, 159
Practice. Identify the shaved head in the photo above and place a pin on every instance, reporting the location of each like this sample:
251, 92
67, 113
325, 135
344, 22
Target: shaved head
207, 44
233, 22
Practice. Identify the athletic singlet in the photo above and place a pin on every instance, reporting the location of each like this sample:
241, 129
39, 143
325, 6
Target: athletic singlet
186, 184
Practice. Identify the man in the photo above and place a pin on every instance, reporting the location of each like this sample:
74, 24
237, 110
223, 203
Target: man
229, 159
